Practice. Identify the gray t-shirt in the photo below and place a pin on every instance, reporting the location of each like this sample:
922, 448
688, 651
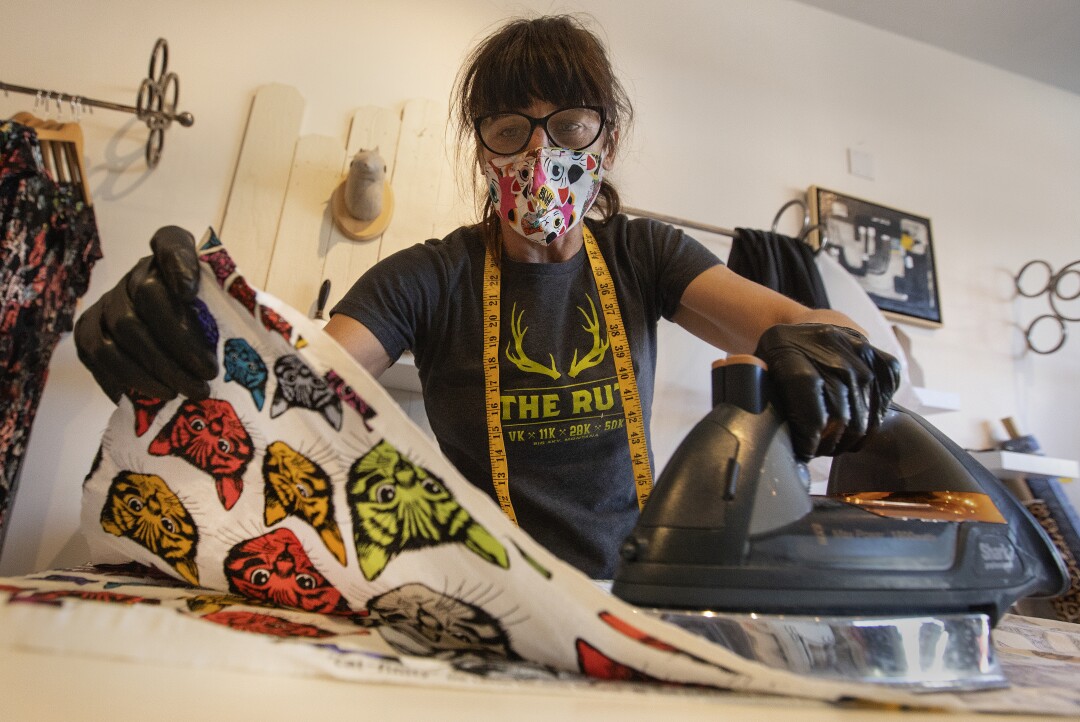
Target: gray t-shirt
571, 482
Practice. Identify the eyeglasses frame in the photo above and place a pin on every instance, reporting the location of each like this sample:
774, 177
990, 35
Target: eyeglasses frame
541, 122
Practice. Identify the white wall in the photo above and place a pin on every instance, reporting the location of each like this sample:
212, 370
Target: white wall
742, 105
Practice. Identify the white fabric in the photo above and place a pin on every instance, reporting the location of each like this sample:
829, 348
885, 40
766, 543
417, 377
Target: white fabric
408, 544
848, 297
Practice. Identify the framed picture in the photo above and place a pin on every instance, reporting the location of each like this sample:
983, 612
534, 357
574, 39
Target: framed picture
889, 252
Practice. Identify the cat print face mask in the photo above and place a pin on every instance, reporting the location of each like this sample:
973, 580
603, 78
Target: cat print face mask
544, 192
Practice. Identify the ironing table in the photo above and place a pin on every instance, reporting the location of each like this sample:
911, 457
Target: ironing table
471, 619
65, 654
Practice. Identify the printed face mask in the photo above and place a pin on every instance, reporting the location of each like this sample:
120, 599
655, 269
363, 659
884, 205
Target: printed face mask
545, 192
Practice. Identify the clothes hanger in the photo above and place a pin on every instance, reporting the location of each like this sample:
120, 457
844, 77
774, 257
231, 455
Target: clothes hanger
61, 150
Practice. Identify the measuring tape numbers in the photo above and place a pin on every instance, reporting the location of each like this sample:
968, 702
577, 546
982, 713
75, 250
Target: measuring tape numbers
624, 371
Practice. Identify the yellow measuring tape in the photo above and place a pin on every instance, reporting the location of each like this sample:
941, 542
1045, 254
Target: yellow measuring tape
624, 371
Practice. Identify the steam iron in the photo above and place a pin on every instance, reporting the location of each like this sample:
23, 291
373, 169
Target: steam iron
896, 576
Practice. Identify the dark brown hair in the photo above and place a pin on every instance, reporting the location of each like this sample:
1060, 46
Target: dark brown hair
553, 59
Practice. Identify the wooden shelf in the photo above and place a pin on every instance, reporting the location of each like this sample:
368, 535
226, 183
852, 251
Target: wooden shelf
1010, 465
936, 402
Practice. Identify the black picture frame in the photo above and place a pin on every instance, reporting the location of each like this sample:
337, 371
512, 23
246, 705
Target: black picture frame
889, 252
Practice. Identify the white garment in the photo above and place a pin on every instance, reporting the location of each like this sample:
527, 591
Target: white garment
848, 297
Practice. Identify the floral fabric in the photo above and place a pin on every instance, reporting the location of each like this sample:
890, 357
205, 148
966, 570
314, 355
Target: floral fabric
48, 247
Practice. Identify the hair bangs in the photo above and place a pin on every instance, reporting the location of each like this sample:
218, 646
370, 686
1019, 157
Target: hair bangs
532, 65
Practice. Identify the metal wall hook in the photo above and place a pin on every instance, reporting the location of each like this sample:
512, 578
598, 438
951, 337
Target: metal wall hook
1062, 334
156, 101
1053, 290
823, 239
789, 204
1024, 269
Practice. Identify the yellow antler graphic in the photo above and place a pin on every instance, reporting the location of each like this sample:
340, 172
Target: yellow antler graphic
596, 354
518, 358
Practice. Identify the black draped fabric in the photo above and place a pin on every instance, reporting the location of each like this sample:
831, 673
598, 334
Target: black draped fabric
48, 244
778, 262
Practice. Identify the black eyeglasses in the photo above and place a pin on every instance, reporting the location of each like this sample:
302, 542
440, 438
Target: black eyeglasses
572, 128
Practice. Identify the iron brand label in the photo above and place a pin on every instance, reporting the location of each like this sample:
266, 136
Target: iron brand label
995, 555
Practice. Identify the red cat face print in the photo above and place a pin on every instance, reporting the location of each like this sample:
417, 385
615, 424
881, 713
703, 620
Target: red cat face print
210, 436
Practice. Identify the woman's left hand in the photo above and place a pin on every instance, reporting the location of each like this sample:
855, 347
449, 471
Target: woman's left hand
833, 386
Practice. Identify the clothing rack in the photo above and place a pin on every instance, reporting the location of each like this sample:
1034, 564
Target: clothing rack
155, 103
804, 230
681, 222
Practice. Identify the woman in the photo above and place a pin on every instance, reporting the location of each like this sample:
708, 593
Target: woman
534, 330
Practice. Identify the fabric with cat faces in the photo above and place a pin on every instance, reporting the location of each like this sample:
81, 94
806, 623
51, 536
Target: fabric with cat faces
315, 511
571, 481
48, 246
247, 486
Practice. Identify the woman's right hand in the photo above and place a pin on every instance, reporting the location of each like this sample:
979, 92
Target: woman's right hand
143, 336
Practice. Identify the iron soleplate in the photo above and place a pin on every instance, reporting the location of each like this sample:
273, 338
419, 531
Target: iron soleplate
952, 652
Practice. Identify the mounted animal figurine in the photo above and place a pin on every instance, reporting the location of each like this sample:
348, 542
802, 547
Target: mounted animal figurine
363, 203
364, 185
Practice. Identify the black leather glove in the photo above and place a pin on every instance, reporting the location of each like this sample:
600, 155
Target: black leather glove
831, 384
143, 336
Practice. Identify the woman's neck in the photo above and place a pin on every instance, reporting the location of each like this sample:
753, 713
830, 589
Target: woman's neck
519, 248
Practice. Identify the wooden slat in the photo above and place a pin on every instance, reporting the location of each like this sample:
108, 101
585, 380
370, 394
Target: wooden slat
346, 259
297, 264
262, 177
266, 206
455, 203
416, 175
